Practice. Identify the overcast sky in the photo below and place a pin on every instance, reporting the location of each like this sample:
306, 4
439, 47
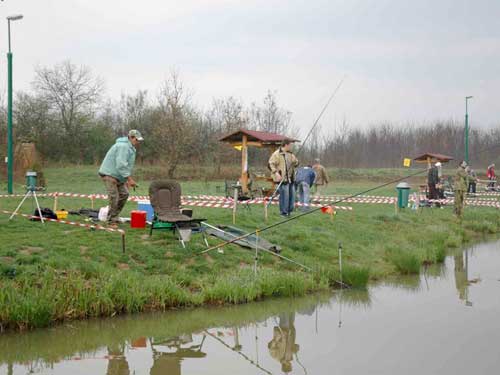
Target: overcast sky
405, 61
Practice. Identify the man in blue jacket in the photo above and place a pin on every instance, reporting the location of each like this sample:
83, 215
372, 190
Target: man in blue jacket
304, 180
116, 170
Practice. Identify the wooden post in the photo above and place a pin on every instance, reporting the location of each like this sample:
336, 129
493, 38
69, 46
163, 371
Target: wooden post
92, 201
55, 202
256, 252
235, 203
244, 165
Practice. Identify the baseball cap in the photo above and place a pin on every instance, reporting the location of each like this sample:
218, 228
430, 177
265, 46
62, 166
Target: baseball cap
136, 134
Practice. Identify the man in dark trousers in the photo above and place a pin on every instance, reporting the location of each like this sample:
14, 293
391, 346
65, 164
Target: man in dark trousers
432, 181
304, 180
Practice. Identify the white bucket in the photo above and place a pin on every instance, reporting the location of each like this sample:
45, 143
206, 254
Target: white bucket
103, 213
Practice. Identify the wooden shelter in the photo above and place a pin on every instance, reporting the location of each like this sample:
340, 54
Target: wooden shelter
243, 138
430, 158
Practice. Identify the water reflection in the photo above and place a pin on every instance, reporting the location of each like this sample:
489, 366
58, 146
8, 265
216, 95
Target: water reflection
462, 277
283, 347
168, 354
347, 332
117, 364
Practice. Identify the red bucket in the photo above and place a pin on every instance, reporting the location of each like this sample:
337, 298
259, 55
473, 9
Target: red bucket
138, 219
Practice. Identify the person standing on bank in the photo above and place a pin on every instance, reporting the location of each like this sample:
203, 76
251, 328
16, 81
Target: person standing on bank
116, 170
461, 185
321, 177
282, 164
490, 174
304, 180
432, 181
471, 189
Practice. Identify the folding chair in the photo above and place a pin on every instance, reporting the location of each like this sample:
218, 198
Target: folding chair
165, 197
229, 188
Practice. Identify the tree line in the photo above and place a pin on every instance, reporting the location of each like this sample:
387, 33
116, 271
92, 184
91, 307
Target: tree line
70, 120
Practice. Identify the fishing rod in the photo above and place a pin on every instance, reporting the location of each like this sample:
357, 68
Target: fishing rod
258, 246
307, 137
421, 171
320, 115
239, 352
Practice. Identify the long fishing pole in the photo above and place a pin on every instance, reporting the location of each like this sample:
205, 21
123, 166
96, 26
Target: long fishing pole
320, 115
258, 246
239, 352
315, 210
308, 135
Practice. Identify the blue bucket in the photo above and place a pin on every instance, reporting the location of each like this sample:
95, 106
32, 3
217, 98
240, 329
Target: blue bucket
146, 206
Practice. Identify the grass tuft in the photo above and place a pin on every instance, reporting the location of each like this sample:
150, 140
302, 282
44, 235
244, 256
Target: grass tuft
406, 262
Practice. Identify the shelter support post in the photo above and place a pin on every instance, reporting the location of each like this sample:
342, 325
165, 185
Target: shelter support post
244, 165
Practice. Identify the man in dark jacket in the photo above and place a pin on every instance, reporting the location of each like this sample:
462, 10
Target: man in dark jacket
304, 180
432, 180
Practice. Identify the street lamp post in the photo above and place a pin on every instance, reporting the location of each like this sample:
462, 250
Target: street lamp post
10, 146
466, 138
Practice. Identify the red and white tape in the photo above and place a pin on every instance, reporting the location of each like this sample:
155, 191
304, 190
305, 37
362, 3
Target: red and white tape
223, 204
73, 223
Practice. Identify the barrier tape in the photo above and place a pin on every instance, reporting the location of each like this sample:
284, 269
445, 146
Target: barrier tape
231, 204
89, 226
217, 201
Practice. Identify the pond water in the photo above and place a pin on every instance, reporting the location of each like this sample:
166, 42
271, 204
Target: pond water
445, 321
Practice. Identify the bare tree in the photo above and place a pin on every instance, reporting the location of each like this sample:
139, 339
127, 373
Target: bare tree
270, 117
72, 93
174, 133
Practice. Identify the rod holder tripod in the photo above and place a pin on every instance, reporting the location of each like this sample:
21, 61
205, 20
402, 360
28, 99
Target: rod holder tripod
30, 192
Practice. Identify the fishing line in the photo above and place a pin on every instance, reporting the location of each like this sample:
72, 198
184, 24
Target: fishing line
307, 137
320, 115
314, 210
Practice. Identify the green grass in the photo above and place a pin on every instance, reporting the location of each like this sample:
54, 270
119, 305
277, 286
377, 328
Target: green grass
406, 262
52, 273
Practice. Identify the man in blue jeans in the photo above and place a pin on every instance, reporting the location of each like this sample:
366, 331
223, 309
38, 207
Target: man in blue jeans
282, 164
304, 180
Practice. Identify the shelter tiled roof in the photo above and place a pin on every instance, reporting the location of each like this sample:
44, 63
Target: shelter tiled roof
433, 156
256, 136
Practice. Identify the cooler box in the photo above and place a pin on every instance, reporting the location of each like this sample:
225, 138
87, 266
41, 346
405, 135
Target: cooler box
138, 219
146, 206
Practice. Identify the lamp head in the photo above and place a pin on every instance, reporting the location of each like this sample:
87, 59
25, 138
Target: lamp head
468, 97
15, 17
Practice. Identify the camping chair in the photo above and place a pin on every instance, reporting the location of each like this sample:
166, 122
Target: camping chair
165, 197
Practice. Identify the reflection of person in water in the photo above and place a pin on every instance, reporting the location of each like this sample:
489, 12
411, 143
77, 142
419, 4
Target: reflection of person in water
170, 363
117, 364
461, 281
282, 347
237, 346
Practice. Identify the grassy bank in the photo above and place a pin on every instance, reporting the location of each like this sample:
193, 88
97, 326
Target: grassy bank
51, 273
